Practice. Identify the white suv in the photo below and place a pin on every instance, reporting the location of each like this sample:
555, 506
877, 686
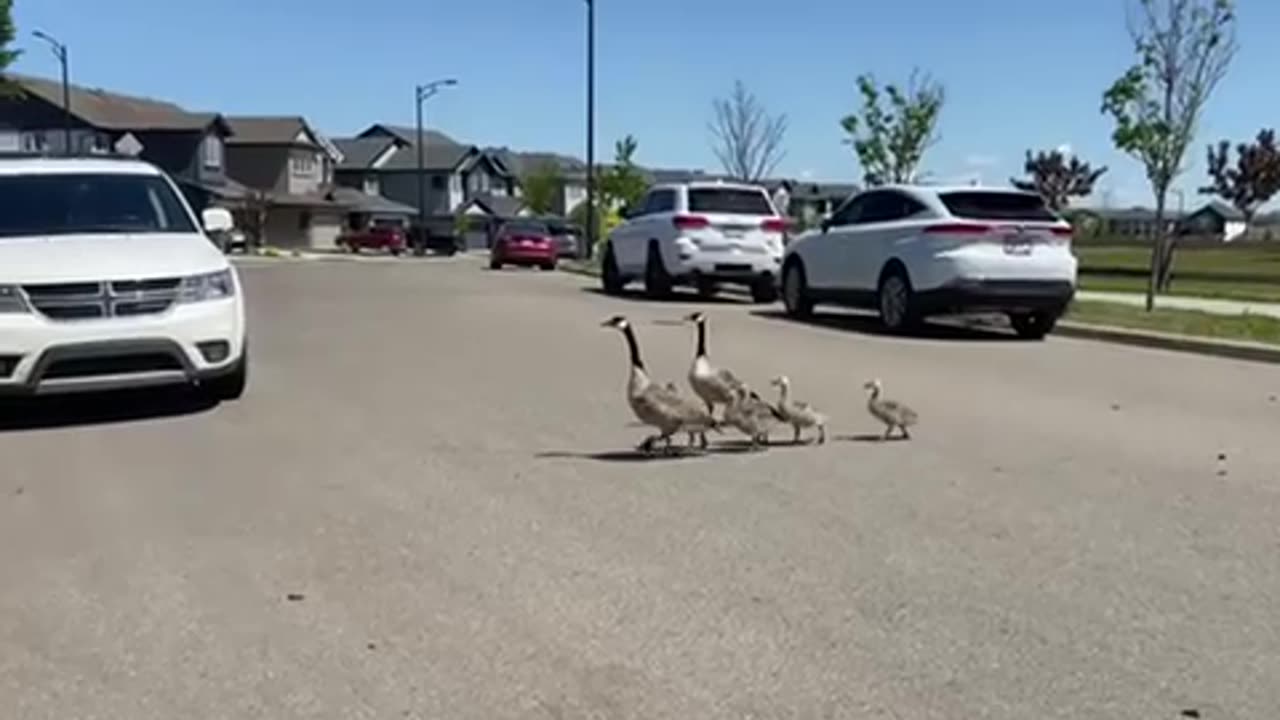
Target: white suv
107, 281
703, 234
911, 251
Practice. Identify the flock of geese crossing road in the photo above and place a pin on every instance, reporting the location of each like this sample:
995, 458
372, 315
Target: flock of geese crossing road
664, 408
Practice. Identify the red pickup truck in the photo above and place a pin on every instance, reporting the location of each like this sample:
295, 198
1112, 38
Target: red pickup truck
378, 237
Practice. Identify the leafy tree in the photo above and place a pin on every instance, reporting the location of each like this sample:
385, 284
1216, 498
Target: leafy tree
745, 137
1056, 178
1253, 180
890, 142
542, 186
623, 184
1184, 48
8, 33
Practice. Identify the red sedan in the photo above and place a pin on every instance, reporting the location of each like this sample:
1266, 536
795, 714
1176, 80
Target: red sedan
378, 237
523, 242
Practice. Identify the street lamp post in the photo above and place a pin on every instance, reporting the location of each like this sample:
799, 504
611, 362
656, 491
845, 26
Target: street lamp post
60, 52
421, 93
591, 127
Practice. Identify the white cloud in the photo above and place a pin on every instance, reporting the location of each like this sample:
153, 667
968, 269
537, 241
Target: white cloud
1065, 148
806, 174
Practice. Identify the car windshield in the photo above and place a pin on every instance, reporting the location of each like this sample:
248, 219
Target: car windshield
526, 227
997, 206
734, 201
63, 204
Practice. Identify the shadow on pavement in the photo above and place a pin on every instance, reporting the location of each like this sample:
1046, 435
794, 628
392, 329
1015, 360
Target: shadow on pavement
679, 295
949, 329
678, 452
19, 414
869, 438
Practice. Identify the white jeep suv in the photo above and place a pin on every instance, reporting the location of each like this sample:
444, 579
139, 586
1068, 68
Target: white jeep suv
913, 251
701, 233
107, 281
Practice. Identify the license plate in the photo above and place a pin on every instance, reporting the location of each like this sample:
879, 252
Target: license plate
732, 232
1017, 245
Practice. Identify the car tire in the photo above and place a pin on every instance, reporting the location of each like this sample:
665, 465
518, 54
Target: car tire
611, 280
495, 264
895, 301
795, 291
706, 287
657, 282
548, 266
1033, 325
231, 386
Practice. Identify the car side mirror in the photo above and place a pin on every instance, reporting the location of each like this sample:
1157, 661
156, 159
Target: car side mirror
826, 225
217, 220
626, 213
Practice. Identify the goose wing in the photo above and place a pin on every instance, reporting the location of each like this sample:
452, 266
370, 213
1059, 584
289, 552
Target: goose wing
899, 412
675, 405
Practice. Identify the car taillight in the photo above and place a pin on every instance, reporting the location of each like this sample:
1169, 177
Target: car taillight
777, 225
690, 222
958, 229
1062, 234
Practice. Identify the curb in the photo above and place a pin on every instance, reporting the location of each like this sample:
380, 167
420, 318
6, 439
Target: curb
1236, 350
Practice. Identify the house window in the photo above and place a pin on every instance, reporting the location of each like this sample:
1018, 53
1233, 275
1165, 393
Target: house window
437, 182
213, 152
371, 186
33, 142
303, 164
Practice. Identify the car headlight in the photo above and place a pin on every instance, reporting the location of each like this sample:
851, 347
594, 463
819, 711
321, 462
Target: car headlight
12, 300
209, 286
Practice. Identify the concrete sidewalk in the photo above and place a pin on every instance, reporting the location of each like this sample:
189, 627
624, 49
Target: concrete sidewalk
1174, 302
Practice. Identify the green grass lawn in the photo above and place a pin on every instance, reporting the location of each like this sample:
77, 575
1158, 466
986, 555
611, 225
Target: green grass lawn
1252, 260
1221, 289
1253, 328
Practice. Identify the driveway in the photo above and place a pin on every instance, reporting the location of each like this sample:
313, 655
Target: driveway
427, 507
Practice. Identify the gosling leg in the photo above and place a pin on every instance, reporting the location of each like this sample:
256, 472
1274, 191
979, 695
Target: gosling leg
822, 434
702, 440
905, 435
795, 439
888, 432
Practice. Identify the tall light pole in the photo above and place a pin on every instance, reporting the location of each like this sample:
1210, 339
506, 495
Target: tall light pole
60, 52
421, 93
591, 127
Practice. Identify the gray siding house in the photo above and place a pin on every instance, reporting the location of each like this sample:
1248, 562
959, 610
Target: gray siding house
383, 160
190, 146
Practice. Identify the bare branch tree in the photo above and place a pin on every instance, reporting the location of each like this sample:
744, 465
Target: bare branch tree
746, 138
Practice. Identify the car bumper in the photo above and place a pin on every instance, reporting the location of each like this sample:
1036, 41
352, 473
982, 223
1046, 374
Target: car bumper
728, 266
185, 344
527, 256
998, 295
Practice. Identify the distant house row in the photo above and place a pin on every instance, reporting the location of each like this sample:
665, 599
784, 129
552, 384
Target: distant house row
290, 185
1215, 220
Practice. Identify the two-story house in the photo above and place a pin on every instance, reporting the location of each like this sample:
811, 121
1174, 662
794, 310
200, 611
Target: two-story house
189, 146
384, 160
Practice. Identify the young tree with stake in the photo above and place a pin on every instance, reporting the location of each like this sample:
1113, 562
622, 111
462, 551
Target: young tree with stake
891, 142
1184, 48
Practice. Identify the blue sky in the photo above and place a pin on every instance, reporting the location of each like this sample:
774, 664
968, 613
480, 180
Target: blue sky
1020, 74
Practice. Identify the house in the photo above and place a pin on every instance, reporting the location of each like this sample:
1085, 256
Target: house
383, 160
1134, 222
288, 168
1217, 220
190, 146
480, 217
573, 174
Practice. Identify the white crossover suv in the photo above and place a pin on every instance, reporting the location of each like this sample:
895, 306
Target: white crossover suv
914, 251
107, 281
701, 233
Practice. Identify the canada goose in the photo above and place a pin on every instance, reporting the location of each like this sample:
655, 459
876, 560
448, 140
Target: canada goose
798, 414
657, 405
753, 416
890, 412
716, 386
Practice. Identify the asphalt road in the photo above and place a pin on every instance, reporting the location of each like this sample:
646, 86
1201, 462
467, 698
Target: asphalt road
426, 507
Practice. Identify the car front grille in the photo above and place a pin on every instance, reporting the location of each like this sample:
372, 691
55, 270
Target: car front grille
87, 367
106, 299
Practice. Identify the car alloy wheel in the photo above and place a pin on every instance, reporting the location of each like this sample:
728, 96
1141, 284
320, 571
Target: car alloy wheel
894, 298
793, 292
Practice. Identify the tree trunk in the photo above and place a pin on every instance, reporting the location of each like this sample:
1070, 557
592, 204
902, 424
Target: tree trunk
1157, 251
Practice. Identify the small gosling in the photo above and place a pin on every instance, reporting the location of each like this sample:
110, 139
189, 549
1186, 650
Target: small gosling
798, 415
893, 414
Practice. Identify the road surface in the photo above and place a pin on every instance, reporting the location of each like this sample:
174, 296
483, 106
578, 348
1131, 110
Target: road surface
426, 507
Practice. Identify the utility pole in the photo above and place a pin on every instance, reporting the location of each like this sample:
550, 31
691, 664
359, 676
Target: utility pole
60, 52
420, 94
591, 128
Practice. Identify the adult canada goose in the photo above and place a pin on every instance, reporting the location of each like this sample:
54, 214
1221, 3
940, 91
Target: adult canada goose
753, 416
798, 414
656, 405
890, 412
716, 386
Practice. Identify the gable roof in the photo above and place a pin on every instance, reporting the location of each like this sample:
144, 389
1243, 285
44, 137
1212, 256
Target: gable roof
1225, 211
358, 201
407, 134
264, 130
503, 206
522, 163
359, 153
113, 111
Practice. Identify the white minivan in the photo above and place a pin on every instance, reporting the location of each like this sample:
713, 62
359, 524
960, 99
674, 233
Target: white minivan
914, 251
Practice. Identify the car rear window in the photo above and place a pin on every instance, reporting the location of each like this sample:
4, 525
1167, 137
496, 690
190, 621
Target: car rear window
997, 206
528, 227
732, 201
